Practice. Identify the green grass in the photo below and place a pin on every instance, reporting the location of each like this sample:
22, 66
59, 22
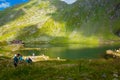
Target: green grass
57, 70
77, 23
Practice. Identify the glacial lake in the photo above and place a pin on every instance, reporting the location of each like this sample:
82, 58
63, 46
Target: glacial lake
68, 51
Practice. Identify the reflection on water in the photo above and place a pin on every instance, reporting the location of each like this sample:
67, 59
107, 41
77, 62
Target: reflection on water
68, 51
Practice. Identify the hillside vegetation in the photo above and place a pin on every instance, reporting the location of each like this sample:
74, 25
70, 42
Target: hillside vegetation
54, 21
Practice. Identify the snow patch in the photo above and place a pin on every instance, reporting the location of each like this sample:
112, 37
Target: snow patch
69, 1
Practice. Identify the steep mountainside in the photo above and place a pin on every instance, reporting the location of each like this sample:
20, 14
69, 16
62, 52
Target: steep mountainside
54, 21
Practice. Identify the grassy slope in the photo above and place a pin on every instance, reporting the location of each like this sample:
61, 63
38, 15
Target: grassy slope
68, 70
55, 21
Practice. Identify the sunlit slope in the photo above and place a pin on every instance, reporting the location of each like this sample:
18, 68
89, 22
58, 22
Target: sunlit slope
85, 21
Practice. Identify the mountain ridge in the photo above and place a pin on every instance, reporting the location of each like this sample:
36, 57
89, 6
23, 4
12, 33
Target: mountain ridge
57, 22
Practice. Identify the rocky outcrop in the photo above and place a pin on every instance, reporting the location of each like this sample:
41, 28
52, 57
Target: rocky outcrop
113, 53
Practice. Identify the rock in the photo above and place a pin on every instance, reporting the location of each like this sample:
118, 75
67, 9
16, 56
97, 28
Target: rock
115, 79
115, 75
104, 76
109, 52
